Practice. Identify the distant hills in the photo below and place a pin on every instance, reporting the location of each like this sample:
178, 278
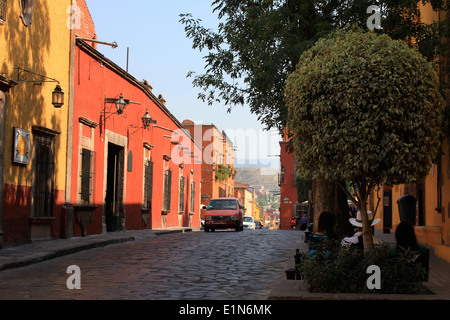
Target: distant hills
273, 163
267, 177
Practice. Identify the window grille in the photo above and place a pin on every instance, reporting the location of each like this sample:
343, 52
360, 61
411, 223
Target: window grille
192, 204
2, 11
148, 185
167, 190
87, 176
45, 166
181, 195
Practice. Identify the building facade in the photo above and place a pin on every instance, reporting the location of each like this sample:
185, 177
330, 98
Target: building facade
35, 71
85, 148
431, 193
128, 173
218, 161
288, 186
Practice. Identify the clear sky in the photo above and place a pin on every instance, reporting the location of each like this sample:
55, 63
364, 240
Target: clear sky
161, 54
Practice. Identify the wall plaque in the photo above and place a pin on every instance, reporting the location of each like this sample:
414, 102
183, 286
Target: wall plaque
22, 146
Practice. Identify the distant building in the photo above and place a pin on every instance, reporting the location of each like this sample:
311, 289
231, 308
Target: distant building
288, 186
217, 160
246, 195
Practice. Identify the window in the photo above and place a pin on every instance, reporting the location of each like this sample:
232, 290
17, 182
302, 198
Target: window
44, 168
192, 204
86, 163
86, 176
181, 195
148, 184
167, 190
2, 11
283, 171
44, 183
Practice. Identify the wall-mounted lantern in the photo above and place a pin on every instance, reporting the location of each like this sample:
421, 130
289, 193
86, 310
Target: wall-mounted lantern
121, 104
146, 123
58, 97
147, 120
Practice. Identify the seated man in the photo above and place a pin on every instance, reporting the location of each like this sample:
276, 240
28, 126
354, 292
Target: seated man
356, 239
407, 242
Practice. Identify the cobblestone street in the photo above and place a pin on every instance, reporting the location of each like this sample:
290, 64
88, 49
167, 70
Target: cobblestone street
183, 266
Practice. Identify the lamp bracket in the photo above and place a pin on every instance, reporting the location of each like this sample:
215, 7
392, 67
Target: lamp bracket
24, 75
113, 100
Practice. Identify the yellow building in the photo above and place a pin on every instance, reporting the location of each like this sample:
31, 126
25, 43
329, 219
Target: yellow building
246, 196
257, 212
432, 194
35, 42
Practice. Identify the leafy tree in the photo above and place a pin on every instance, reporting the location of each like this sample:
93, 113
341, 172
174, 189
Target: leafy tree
258, 43
366, 109
302, 189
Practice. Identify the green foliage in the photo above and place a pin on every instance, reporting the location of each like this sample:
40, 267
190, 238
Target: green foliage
259, 42
222, 172
342, 270
302, 189
262, 202
364, 108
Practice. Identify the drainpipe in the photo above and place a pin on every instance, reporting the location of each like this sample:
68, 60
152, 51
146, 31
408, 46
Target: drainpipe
68, 206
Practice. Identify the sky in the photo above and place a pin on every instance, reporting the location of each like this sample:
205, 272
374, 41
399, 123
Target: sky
160, 53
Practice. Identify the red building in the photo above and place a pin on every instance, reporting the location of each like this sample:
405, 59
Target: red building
218, 163
288, 186
132, 163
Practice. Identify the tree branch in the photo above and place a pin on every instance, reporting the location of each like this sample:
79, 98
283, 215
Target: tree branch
350, 197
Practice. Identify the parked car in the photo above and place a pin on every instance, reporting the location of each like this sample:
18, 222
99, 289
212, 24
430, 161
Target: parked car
249, 222
224, 213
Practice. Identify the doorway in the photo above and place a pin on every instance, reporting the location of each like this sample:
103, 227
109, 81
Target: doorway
114, 211
387, 209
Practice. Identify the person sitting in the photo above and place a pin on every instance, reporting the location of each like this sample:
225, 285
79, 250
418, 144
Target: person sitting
406, 241
325, 231
357, 238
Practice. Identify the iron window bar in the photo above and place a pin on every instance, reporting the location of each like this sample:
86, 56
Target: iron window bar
86, 176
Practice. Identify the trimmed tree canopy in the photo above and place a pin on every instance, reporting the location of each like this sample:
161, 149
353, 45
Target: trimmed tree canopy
364, 108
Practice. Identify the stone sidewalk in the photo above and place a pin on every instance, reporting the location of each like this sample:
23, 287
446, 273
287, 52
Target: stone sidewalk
20, 256
439, 284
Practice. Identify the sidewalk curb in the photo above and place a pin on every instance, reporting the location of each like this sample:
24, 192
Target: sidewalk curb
44, 256
81, 244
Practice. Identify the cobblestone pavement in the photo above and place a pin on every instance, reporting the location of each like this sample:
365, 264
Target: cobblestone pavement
216, 266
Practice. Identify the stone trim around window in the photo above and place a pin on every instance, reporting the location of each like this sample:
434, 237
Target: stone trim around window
3, 7
26, 11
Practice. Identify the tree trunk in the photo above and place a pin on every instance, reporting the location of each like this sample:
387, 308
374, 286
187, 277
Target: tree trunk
329, 197
366, 223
